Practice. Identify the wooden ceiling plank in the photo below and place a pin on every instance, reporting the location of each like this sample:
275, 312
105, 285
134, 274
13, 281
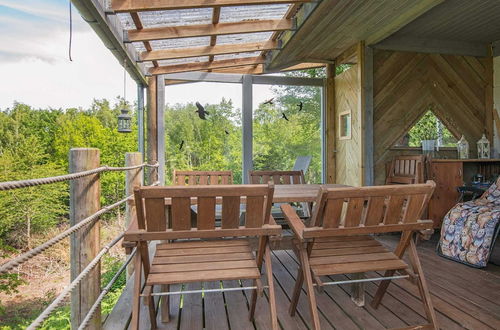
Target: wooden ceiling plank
121, 6
168, 54
138, 25
199, 66
173, 32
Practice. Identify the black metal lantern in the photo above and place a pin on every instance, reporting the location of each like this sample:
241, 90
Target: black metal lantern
124, 122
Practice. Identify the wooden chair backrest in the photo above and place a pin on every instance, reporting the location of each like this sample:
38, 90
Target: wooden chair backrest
366, 210
406, 170
151, 210
182, 178
276, 177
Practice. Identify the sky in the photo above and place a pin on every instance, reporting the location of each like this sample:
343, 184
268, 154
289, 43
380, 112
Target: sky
35, 68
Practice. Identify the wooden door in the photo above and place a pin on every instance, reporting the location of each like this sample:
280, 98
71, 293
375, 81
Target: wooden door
448, 176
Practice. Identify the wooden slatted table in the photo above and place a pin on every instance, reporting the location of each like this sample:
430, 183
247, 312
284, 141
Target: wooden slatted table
289, 193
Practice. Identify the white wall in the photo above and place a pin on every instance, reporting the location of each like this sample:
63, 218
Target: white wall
496, 103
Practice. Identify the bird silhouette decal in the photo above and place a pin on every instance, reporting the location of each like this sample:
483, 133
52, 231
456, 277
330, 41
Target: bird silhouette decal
284, 116
201, 111
181, 145
300, 105
270, 101
225, 131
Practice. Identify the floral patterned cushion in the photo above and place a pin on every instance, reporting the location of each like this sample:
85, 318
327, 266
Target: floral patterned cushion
469, 229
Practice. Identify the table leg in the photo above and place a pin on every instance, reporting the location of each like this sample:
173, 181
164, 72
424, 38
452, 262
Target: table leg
358, 290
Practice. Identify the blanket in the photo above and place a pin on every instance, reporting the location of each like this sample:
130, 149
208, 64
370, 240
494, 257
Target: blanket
469, 229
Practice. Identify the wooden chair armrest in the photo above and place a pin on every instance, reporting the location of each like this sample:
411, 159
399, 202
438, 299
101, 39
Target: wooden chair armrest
293, 220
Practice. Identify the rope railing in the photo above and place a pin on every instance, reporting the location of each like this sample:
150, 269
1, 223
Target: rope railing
60, 298
22, 258
105, 291
9, 185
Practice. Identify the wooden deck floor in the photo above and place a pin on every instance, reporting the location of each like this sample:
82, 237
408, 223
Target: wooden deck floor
464, 297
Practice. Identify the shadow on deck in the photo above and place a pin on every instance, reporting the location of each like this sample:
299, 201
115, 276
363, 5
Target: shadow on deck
463, 297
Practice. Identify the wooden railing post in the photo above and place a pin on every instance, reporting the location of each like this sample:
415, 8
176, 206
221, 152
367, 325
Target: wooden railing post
84, 201
133, 178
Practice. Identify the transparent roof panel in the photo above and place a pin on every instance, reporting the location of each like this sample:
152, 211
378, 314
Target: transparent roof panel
180, 43
235, 56
243, 38
248, 13
179, 17
126, 20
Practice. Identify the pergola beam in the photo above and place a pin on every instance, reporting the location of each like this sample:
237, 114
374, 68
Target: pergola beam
201, 30
121, 6
167, 54
200, 66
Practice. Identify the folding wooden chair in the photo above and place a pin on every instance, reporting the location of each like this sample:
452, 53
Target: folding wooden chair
182, 178
188, 256
281, 177
406, 170
338, 240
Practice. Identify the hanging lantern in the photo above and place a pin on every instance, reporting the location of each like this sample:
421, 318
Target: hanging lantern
124, 122
124, 119
463, 148
483, 148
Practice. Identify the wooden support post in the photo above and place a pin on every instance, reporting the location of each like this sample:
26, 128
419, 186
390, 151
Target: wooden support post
366, 69
330, 124
247, 124
160, 126
152, 132
84, 201
133, 178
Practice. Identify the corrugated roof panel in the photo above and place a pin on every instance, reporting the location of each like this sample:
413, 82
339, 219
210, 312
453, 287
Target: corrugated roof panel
246, 13
180, 43
176, 17
243, 38
235, 56
184, 60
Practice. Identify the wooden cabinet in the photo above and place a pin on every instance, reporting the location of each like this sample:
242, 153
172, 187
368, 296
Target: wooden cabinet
450, 174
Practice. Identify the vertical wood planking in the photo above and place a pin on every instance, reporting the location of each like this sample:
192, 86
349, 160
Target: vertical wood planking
84, 201
181, 213
414, 208
204, 179
155, 214
214, 179
375, 211
230, 212
330, 124
254, 216
354, 212
206, 213
332, 213
394, 209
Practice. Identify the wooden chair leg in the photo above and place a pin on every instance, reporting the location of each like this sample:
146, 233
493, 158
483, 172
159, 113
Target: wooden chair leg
270, 283
152, 312
136, 299
253, 302
422, 285
296, 292
382, 288
165, 304
306, 271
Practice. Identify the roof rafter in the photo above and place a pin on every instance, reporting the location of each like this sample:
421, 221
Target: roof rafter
120, 6
200, 66
173, 32
168, 54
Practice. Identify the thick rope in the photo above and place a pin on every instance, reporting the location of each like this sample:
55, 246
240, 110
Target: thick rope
105, 291
72, 176
45, 314
22, 258
39, 249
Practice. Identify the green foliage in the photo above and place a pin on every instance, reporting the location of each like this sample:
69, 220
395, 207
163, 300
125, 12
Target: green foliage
427, 128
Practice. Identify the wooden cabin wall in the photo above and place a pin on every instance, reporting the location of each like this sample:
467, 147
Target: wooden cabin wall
349, 160
407, 84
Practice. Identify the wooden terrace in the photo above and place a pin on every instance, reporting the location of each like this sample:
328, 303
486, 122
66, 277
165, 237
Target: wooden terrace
464, 298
